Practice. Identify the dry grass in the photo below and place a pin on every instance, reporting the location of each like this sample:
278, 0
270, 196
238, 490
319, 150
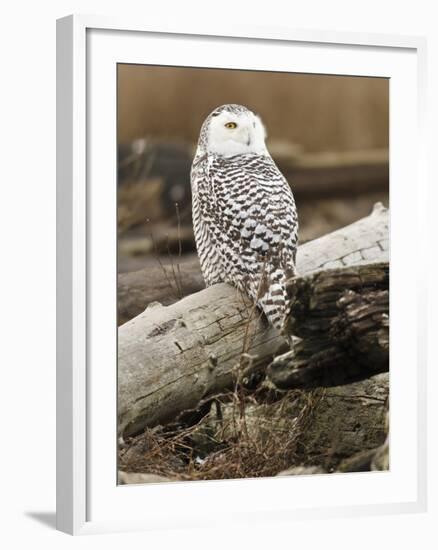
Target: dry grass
243, 436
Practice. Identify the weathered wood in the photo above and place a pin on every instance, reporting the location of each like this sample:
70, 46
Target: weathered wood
341, 317
161, 283
366, 239
133, 478
171, 358
346, 427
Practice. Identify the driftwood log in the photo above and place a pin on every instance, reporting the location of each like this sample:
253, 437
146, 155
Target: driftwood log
348, 425
171, 358
331, 174
341, 317
165, 284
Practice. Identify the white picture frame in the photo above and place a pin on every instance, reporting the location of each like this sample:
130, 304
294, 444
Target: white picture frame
88, 499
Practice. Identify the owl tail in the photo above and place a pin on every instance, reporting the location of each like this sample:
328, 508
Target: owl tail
273, 305
273, 299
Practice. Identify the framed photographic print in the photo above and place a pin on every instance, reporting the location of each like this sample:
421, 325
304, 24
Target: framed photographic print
236, 341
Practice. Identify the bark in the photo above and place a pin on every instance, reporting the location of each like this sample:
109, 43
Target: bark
341, 317
171, 358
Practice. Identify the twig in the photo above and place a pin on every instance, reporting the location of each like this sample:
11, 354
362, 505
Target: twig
169, 253
157, 257
179, 245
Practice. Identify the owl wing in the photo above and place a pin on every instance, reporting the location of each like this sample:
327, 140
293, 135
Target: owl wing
206, 224
253, 225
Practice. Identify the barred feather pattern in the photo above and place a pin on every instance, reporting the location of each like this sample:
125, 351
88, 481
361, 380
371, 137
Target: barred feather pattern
245, 225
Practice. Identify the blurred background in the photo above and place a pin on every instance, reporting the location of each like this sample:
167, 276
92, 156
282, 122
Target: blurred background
328, 134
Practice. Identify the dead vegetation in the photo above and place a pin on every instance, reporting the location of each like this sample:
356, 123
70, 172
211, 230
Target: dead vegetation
243, 435
247, 434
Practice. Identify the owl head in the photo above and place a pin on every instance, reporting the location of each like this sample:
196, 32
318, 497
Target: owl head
232, 130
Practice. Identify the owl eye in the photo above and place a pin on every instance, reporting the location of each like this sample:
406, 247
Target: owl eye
230, 125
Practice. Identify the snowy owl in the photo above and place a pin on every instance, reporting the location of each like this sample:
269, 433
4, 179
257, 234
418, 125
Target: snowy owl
244, 215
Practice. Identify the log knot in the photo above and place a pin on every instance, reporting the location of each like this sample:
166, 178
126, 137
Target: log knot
163, 328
